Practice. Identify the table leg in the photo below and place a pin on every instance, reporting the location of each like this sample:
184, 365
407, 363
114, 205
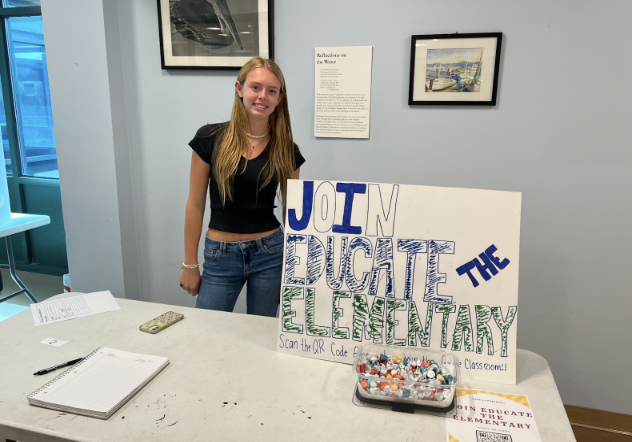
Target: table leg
14, 275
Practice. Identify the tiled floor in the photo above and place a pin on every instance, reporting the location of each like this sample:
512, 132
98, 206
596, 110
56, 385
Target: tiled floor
41, 286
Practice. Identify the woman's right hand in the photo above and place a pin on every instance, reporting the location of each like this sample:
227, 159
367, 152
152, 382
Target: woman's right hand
190, 281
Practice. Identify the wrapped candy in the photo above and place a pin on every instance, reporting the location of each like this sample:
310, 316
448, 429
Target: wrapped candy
400, 376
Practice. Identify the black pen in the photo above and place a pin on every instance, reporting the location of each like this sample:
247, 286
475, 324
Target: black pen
55, 367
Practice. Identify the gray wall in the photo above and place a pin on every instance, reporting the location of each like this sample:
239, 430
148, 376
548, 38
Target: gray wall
558, 135
82, 112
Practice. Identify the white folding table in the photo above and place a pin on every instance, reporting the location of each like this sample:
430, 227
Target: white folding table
20, 222
225, 382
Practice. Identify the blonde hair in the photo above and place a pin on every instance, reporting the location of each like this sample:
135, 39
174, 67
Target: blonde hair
234, 143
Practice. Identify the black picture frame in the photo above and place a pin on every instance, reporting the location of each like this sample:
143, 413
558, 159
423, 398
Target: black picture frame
454, 69
214, 34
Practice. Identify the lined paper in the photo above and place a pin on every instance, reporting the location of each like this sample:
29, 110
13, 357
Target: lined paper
100, 384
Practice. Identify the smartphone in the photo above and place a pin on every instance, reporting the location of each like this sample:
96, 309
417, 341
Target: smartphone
161, 322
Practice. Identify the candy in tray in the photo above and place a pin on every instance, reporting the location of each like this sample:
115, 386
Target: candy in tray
420, 377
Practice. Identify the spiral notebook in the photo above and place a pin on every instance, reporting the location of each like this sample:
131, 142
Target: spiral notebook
100, 384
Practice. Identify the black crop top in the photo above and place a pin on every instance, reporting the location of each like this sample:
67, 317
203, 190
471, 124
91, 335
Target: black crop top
247, 212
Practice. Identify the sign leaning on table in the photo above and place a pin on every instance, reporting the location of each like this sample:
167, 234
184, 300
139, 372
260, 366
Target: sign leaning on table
412, 266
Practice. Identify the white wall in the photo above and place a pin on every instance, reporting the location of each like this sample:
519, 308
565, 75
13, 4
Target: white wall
78, 75
558, 135
122, 152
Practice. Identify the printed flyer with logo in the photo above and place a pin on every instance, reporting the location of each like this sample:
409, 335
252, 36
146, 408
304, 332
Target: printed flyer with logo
484, 416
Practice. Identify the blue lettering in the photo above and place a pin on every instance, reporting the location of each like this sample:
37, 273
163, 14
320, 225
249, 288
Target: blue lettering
357, 285
305, 346
490, 253
319, 346
467, 268
286, 343
411, 247
342, 353
433, 277
383, 261
292, 260
315, 259
350, 189
376, 215
324, 197
308, 200
335, 282
487, 268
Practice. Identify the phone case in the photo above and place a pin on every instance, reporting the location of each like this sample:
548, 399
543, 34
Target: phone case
161, 322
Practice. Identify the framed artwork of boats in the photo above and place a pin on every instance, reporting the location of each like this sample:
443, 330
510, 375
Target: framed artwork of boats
454, 69
214, 34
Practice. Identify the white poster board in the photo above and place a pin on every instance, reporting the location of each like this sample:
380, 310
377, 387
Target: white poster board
402, 265
343, 92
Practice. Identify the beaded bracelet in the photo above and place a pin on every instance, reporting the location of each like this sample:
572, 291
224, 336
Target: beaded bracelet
190, 266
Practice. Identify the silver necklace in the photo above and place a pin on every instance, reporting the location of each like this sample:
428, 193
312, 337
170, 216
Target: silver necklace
258, 136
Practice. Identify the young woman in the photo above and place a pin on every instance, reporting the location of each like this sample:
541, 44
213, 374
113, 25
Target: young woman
242, 163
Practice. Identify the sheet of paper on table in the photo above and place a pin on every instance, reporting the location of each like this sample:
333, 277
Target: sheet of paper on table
57, 310
484, 416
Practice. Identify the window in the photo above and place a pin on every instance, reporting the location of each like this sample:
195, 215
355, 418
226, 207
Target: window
28, 137
25, 37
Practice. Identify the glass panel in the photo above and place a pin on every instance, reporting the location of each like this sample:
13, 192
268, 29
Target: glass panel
9, 3
5, 137
32, 96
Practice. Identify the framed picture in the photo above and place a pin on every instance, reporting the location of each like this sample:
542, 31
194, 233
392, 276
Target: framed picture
454, 69
214, 34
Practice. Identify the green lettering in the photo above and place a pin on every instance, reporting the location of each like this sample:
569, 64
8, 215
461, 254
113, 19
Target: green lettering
446, 310
415, 328
288, 294
391, 306
463, 330
483, 315
504, 324
310, 307
371, 322
339, 332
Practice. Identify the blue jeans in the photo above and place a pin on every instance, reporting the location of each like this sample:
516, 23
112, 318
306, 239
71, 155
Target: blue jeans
227, 267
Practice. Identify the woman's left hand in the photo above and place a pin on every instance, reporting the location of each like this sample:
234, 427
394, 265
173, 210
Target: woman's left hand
190, 281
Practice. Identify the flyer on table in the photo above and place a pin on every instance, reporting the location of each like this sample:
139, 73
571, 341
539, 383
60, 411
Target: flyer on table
343, 92
484, 416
